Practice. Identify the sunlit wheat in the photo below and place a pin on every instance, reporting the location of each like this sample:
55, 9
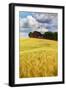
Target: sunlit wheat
38, 58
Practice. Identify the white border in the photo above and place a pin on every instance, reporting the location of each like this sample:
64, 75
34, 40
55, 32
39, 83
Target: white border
41, 79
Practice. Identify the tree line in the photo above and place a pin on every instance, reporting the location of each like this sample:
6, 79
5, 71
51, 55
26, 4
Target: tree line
46, 35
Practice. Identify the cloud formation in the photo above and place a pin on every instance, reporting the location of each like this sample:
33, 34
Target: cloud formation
29, 22
47, 20
42, 22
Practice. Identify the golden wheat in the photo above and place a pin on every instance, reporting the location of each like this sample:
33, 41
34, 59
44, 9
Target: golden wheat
38, 58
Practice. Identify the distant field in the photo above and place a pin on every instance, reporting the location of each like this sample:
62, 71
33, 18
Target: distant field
38, 58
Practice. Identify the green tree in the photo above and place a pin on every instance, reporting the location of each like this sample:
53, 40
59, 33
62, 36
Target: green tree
48, 35
30, 34
55, 36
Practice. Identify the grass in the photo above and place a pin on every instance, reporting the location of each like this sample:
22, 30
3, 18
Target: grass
38, 58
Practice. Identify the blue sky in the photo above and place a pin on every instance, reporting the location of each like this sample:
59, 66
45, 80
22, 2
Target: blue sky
36, 21
24, 14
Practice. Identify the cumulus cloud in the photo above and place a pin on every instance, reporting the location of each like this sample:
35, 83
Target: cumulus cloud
41, 22
45, 16
23, 34
30, 23
22, 22
47, 20
42, 30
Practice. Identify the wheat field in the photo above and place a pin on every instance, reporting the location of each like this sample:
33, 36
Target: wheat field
38, 58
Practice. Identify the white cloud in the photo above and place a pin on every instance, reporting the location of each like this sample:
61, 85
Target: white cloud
45, 16
22, 34
31, 22
40, 16
22, 22
42, 30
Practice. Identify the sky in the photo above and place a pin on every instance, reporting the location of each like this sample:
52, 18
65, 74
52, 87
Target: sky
37, 21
